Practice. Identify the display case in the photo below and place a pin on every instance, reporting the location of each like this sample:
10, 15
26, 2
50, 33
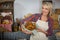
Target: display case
6, 14
56, 19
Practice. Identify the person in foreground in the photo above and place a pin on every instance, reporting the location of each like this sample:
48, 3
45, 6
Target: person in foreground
43, 21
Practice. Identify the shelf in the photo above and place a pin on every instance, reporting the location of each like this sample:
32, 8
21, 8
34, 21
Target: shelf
6, 1
6, 8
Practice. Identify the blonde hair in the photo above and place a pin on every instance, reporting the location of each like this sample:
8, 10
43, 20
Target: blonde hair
49, 5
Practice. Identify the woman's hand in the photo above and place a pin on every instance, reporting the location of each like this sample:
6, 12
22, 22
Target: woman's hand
41, 30
28, 32
25, 31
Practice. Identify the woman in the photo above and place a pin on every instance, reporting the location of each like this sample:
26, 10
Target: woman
45, 20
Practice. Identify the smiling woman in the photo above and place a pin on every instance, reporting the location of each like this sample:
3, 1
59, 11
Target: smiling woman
43, 21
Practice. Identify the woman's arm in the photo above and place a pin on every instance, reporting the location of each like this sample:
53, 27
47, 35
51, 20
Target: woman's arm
50, 30
27, 19
41, 30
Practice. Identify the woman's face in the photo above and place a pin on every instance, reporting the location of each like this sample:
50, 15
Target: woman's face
45, 10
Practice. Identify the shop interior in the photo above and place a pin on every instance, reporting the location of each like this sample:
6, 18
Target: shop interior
13, 11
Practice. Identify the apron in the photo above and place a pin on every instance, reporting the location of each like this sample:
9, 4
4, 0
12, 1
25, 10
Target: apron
40, 35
